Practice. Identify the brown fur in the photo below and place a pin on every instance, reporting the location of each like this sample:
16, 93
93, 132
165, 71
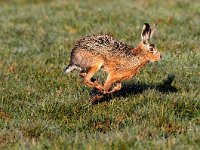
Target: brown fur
119, 60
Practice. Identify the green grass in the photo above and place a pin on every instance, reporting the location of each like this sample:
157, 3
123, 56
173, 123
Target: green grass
41, 109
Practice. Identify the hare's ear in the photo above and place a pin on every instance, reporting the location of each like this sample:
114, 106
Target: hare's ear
152, 30
146, 33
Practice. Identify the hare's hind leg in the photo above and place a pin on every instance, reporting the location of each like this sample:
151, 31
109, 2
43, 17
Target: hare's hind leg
88, 80
83, 73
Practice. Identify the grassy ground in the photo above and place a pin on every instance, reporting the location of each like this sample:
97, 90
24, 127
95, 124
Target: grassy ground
41, 109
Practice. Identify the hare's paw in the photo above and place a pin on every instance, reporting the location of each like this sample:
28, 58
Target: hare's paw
98, 86
96, 99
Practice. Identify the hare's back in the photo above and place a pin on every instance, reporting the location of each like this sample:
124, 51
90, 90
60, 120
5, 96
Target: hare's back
104, 45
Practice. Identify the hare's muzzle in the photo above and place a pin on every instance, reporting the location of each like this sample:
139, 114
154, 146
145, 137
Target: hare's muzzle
156, 57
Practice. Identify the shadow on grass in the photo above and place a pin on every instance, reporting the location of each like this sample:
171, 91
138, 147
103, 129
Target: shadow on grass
136, 88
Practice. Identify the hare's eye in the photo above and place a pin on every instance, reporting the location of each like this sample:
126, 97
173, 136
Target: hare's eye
151, 49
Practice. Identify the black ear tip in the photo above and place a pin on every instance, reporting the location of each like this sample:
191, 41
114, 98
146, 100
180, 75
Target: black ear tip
146, 24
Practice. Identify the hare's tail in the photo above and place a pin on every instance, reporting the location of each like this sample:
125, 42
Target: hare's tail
70, 68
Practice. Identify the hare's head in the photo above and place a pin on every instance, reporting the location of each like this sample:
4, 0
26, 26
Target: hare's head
149, 50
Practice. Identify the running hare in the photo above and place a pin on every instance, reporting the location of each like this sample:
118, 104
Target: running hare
119, 60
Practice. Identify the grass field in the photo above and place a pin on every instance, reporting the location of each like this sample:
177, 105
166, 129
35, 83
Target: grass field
42, 109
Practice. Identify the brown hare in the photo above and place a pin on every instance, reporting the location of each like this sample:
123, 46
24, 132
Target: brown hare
119, 60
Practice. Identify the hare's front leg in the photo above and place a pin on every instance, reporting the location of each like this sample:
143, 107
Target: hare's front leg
116, 88
116, 78
110, 81
89, 81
